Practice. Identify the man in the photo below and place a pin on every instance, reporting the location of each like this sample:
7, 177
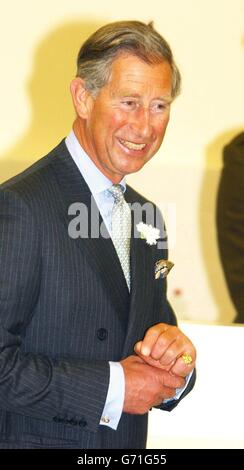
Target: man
230, 222
89, 342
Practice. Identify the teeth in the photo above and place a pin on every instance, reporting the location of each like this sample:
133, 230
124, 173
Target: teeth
132, 145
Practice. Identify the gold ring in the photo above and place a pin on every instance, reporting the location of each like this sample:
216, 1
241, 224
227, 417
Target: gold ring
187, 359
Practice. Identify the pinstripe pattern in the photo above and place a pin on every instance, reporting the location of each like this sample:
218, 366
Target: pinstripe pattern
56, 297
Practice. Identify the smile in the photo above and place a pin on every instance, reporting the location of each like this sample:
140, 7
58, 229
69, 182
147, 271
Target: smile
132, 145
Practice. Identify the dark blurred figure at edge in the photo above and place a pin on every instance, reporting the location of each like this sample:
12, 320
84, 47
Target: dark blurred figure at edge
230, 222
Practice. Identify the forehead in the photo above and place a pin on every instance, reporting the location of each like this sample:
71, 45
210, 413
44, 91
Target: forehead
129, 72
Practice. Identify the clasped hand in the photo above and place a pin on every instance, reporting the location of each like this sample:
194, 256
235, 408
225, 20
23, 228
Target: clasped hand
157, 369
163, 346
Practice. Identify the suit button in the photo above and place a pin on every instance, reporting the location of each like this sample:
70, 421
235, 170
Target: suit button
102, 334
73, 421
82, 423
57, 419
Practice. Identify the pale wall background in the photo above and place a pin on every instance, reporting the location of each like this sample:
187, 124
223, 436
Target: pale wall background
38, 46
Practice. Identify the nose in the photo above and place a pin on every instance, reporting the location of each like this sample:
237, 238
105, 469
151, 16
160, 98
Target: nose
141, 123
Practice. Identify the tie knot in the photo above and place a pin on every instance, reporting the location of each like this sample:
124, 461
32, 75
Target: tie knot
117, 192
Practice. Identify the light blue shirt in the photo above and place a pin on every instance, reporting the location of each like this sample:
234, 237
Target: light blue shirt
99, 185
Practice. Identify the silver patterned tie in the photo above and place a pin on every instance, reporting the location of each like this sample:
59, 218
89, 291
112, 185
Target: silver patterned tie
121, 229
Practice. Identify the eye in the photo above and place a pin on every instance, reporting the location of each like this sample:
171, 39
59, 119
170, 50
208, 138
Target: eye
159, 107
129, 104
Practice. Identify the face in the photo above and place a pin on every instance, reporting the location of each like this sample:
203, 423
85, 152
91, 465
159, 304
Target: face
125, 124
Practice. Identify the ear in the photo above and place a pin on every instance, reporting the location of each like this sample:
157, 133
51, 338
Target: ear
80, 96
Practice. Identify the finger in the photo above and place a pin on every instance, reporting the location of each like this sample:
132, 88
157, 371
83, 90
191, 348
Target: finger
167, 379
181, 368
178, 349
174, 350
164, 347
151, 337
153, 362
167, 392
137, 348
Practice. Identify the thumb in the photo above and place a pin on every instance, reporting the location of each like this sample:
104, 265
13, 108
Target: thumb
137, 347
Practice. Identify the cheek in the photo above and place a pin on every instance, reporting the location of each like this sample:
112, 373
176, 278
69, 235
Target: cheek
161, 127
106, 130
110, 122
117, 120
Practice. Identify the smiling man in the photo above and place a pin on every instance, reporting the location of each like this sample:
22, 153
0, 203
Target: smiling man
123, 127
88, 341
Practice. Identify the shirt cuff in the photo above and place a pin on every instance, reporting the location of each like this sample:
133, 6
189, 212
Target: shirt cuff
179, 391
115, 397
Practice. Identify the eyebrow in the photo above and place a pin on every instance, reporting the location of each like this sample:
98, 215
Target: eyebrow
127, 94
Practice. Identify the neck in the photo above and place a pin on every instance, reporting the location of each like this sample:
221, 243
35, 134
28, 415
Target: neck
80, 133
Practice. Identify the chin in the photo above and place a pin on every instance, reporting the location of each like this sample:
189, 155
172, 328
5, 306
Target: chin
136, 168
127, 167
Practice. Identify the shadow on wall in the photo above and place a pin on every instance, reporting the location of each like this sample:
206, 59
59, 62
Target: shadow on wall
52, 113
207, 221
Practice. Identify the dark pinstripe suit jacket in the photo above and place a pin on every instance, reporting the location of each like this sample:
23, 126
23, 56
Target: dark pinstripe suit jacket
64, 312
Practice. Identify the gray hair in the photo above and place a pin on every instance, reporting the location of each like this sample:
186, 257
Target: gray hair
98, 52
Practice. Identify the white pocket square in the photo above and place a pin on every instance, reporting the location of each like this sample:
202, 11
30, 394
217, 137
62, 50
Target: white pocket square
162, 268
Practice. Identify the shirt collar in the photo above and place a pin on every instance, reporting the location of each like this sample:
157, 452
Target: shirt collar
94, 178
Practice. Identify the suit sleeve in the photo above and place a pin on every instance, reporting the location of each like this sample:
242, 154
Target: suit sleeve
72, 391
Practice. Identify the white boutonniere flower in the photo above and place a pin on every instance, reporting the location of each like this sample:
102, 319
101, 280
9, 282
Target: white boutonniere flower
148, 233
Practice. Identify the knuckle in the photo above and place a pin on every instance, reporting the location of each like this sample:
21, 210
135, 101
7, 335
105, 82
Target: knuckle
175, 330
153, 330
170, 355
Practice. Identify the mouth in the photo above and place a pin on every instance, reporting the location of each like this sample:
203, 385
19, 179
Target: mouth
132, 145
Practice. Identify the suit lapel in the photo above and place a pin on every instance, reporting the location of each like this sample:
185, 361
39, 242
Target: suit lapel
142, 282
100, 251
